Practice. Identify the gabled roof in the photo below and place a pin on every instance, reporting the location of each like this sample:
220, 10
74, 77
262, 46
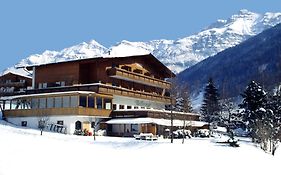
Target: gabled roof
17, 74
148, 57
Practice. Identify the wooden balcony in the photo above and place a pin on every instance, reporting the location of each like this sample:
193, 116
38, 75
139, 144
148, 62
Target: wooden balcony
79, 111
136, 77
13, 84
105, 89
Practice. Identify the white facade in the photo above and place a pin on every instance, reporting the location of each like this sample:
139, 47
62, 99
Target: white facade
129, 101
68, 121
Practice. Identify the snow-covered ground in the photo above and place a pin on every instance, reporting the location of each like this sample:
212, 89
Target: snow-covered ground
24, 151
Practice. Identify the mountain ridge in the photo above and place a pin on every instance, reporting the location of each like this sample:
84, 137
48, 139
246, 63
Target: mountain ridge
258, 58
176, 54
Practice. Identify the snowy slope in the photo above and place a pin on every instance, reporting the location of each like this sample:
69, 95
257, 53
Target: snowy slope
177, 54
25, 152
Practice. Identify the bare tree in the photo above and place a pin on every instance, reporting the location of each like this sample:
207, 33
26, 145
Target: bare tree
172, 105
42, 123
94, 125
183, 104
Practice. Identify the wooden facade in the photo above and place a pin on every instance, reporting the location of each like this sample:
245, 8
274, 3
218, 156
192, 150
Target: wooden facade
12, 83
123, 74
140, 77
87, 89
78, 111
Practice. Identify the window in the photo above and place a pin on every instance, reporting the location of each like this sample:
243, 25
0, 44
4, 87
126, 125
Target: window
50, 102
99, 102
114, 106
121, 107
8, 81
58, 102
74, 101
22, 81
26, 104
91, 102
82, 101
24, 123
136, 107
66, 102
60, 83
34, 103
44, 85
129, 107
107, 103
42, 103
14, 104
93, 124
40, 86
134, 128
60, 122
21, 89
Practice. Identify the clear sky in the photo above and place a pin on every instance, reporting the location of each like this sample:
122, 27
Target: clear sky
33, 26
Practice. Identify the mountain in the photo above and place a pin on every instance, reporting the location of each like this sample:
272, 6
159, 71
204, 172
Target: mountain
176, 54
258, 58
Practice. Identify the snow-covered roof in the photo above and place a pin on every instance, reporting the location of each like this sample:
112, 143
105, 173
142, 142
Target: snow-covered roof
47, 94
16, 73
164, 122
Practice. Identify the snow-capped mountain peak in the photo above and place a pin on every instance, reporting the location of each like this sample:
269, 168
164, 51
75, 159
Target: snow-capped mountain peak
176, 54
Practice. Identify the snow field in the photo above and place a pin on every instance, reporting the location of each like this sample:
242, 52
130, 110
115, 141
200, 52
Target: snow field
24, 151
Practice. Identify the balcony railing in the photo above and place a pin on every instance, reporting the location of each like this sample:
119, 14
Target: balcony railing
12, 84
136, 77
105, 89
132, 93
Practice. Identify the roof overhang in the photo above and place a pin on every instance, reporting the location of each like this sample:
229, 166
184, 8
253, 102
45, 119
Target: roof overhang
54, 94
148, 58
158, 121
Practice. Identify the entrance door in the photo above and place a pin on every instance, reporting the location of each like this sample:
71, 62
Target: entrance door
78, 125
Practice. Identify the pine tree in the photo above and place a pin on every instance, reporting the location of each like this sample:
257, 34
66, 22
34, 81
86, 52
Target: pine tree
254, 97
210, 108
274, 104
262, 115
254, 104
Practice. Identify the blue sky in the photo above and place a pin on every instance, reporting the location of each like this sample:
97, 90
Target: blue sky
33, 26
